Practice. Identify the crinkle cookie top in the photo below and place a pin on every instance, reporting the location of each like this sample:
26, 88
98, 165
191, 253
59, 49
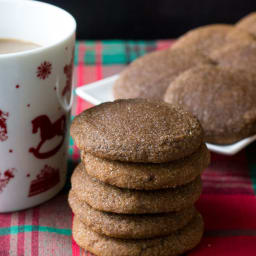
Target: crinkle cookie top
137, 130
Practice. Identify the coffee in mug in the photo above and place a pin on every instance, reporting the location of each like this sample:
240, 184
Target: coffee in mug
36, 63
14, 45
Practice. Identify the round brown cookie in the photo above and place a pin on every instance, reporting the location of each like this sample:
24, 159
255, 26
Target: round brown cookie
248, 23
203, 39
108, 198
147, 176
129, 226
150, 75
237, 35
175, 244
223, 101
137, 130
240, 55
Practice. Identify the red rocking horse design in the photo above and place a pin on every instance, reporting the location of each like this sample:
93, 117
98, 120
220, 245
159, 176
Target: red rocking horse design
3, 125
48, 130
5, 178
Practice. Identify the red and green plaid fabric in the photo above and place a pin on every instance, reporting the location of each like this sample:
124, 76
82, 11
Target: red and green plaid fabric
228, 202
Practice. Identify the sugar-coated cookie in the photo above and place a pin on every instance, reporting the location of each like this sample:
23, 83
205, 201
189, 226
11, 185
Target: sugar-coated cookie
150, 75
137, 130
176, 243
129, 226
108, 198
223, 101
147, 176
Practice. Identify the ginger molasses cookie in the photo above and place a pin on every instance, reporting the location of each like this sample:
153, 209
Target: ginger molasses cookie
237, 35
137, 130
108, 198
204, 39
175, 244
223, 101
150, 75
239, 55
248, 23
147, 176
129, 226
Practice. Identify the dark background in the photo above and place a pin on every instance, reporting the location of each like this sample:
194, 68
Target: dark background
146, 19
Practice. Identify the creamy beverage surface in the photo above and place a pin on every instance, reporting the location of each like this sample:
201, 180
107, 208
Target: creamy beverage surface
8, 45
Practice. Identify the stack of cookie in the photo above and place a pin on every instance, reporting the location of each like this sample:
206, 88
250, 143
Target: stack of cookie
134, 191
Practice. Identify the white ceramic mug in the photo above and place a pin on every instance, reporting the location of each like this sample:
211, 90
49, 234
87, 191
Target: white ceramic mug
35, 101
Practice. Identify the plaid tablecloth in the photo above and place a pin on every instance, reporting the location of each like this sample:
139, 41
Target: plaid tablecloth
228, 202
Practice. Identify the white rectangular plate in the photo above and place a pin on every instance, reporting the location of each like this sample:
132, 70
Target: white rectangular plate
101, 91
98, 92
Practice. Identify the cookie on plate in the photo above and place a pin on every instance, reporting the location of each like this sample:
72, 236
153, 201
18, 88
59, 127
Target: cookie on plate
176, 243
108, 198
248, 23
150, 75
204, 39
237, 35
137, 130
240, 55
129, 226
147, 176
222, 100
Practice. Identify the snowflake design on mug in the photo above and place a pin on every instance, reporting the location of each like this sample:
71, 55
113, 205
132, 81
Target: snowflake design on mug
44, 70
